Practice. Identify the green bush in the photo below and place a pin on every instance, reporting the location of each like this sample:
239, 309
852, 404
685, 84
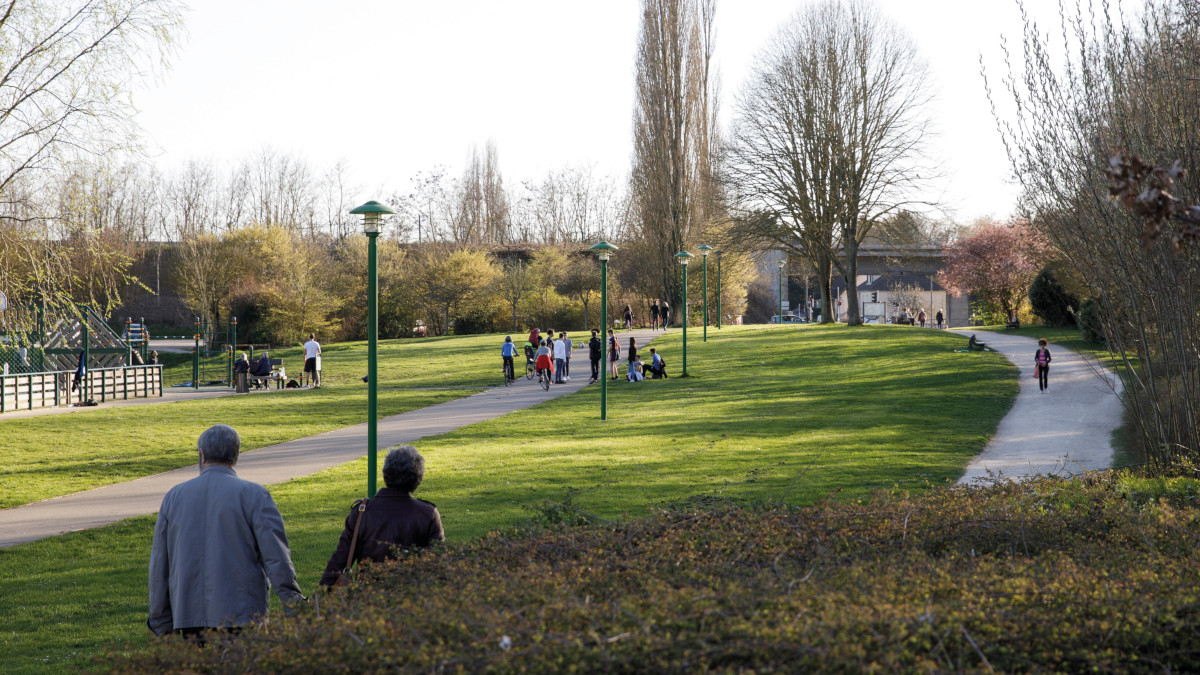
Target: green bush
1098, 573
1051, 302
1090, 322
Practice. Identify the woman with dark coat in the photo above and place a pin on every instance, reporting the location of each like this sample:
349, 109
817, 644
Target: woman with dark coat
1041, 365
392, 519
633, 355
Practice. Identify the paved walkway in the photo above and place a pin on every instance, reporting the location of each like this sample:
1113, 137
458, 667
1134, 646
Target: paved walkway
1066, 430
278, 463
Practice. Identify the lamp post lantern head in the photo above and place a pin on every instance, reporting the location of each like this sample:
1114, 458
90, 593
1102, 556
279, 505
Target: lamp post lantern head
604, 250
704, 249
718, 252
372, 213
782, 264
683, 257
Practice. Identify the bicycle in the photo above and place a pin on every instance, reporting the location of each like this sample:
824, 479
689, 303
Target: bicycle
509, 376
544, 377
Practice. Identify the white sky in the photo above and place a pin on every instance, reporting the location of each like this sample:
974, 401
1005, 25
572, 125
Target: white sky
396, 87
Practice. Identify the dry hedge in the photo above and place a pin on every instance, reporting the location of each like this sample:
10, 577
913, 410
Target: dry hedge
1096, 574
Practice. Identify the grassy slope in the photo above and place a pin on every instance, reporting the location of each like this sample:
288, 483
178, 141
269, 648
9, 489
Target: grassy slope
793, 412
60, 454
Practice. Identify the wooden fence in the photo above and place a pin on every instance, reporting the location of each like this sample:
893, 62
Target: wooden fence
26, 391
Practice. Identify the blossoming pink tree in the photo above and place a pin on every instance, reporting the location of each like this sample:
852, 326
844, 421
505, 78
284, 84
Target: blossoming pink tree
996, 261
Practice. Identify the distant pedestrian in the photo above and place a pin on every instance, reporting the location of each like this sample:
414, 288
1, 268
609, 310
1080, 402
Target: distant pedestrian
595, 352
921, 317
664, 312
633, 354
628, 316
614, 354
312, 360
560, 360
218, 543
654, 314
567, 364
80, 374
1041, 361
940, 318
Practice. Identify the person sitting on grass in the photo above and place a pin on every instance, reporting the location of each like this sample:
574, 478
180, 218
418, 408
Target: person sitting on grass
635, 370
657, 365
391, 520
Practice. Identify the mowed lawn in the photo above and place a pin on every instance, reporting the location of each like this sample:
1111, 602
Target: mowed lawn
53, 455
790, 414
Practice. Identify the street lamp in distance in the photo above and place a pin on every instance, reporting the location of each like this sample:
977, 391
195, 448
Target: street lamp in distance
372, 213
604, 251
782, 264
684, 257
718, 252
704, 249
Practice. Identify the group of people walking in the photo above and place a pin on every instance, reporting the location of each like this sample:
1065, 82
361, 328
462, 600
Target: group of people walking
918, 318
220, 544
660, 315
553, 356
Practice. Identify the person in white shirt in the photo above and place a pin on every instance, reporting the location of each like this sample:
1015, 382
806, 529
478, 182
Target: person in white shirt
312, 351
560, 359
567, 364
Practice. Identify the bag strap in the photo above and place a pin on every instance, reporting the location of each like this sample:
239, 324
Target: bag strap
362, 509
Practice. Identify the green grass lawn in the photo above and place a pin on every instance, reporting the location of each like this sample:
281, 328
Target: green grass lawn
54, 455
770, 414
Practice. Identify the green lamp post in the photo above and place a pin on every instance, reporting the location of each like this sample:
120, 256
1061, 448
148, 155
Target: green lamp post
718, 252
604, 251
704, 249
372, 213
782, 264
683, 257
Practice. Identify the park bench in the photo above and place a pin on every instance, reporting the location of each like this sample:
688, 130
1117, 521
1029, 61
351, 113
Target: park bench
1012, 323
265, 380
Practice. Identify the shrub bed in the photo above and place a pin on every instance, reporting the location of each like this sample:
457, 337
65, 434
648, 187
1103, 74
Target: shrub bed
1097, 574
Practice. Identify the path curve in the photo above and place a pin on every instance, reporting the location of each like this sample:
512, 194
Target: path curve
282, 462
1066, 430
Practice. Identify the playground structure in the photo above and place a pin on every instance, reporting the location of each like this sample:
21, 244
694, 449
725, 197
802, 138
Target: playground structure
212, 354
42, 367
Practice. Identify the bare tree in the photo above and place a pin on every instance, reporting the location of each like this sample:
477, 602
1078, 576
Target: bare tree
672, 196
827, 137
1107, 81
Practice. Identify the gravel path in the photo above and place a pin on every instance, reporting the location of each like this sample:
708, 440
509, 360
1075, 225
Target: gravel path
1066, 430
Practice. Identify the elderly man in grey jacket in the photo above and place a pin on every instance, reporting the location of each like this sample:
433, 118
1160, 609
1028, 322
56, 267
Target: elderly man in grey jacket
218, 541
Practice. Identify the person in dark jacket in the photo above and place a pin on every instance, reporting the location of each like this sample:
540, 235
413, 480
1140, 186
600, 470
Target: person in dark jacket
1041, 365
393, 518
594, 351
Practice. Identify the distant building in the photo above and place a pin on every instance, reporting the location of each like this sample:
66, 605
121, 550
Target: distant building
889, 279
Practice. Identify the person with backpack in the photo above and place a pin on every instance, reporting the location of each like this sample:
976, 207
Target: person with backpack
614, 353
1041, 366
595, 348
921, 317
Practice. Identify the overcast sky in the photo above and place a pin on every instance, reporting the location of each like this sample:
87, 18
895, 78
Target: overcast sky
396, 87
